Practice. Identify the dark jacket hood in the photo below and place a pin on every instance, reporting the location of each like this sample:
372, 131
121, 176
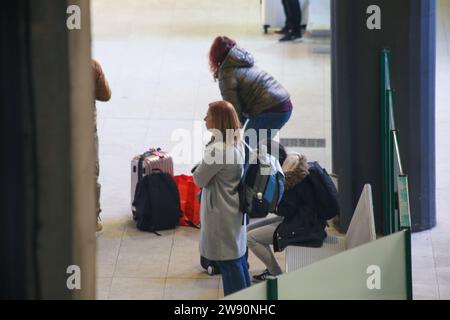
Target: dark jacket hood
238, 58
295, 176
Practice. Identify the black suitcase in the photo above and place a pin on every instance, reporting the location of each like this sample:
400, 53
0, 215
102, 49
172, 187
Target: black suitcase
210, 266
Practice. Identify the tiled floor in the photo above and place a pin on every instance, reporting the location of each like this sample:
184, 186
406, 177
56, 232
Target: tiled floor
431, 257
154, 54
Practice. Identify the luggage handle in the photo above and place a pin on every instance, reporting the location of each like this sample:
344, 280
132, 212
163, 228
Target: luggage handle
157, 152
154, 152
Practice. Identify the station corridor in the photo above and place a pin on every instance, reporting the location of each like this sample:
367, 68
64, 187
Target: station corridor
154, 54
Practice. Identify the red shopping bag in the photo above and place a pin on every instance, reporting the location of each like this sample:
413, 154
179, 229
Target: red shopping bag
188, 200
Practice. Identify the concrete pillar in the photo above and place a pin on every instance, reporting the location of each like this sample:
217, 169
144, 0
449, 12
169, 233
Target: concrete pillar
408, 28
49, 214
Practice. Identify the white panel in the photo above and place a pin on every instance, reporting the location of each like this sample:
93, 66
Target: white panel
299, 257
344, 276
362, 226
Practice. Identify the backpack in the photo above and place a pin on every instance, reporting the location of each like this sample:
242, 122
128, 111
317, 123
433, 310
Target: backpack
261, 187
157, 203
325, 191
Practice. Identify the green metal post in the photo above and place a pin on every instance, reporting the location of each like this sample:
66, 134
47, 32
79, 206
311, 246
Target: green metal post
272, 288
385, 141
408, 261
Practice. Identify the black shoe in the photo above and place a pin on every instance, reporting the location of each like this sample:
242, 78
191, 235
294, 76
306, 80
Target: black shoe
291, 37
282, 31
262, 277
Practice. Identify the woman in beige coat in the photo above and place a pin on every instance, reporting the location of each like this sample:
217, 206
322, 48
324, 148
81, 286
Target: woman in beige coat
223, 236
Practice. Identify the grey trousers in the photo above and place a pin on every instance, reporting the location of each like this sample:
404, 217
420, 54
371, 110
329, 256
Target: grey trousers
259, 239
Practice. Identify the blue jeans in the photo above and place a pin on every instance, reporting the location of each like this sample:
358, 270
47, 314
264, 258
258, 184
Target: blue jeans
271, 121
235, 275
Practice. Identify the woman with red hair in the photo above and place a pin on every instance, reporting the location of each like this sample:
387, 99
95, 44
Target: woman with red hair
260, 101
